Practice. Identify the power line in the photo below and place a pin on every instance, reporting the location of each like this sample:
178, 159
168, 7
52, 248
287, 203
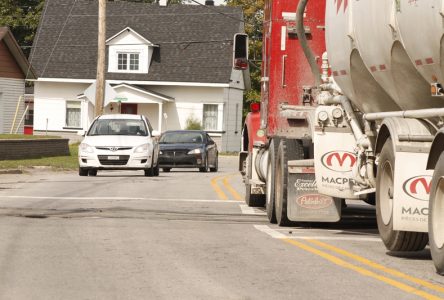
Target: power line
58, 38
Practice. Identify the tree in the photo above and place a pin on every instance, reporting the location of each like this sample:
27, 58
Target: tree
253, 16
22, 17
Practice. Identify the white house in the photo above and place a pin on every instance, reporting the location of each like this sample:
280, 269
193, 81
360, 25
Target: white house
170, 63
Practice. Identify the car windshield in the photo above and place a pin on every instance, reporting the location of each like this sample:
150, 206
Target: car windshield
181, 138
118, 127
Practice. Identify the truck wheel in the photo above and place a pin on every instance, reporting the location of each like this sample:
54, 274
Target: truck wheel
270, 184
288, 150
436, 216
393, 240
252, 200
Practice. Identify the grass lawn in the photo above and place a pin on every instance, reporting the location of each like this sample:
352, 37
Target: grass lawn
25, 137
56, 162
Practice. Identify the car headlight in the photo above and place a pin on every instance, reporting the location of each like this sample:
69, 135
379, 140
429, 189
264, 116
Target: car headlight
160, 152
195, 151
86, 148
142, 148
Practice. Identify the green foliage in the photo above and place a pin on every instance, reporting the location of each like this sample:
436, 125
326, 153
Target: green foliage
253, 15
22, 17
25, 137
193, 124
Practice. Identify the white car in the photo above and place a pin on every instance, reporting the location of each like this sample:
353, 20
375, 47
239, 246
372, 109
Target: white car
119, 142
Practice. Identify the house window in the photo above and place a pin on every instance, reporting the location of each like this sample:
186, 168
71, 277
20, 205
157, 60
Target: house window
210, 116
128, 61
122, 61
73, 114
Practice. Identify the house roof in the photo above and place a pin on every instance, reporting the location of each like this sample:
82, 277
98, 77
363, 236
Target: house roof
7, 37
194, 41
144, 89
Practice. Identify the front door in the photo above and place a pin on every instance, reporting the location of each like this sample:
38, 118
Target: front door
128, 108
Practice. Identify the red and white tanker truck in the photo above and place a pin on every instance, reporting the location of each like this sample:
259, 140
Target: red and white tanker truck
352, 107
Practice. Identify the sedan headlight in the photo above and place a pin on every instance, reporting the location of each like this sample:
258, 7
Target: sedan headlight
195, 151
160, 152
86, 148
142, 148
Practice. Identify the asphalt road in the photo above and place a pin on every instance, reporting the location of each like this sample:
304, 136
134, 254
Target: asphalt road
186, 235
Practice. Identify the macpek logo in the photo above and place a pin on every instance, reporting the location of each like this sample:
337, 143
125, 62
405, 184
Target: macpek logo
418, 187
339, 161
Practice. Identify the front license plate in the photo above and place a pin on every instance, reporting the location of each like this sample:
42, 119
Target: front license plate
113, 158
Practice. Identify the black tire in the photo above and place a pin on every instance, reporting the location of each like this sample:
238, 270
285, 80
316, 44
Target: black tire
371, 199
92, 172
204, 169
287, 150
156, 170
436, 219
166, 170
149, 172
216, 165
83, 172
393, 240
252, 200
270, 181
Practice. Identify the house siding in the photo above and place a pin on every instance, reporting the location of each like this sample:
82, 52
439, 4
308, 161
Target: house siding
8, 65
10, 92
50, 99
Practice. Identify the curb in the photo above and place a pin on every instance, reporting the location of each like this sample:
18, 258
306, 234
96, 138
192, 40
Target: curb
11, 171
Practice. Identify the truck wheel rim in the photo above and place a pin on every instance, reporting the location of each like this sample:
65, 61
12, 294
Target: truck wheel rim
438, 214
268, 185
386, 193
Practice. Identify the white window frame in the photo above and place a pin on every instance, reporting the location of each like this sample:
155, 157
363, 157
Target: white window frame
216, 105
143, 51
73, 103
128, 61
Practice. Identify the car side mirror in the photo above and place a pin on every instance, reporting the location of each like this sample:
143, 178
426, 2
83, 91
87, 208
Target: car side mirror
155, 133
81, 132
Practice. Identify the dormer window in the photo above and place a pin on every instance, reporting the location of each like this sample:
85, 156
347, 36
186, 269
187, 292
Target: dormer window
129, 52
128, 61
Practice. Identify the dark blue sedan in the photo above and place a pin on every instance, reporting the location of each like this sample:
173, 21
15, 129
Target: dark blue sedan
188, 149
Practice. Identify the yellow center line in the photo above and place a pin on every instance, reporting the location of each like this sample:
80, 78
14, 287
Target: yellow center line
378, 266
226, 182
217, 189
362, 271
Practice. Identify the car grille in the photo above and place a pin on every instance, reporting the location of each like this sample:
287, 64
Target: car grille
175, 152
114, 148
123, 160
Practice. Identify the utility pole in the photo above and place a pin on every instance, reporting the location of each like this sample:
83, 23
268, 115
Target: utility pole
100, 79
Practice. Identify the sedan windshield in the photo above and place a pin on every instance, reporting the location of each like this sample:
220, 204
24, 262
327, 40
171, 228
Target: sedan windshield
181, 138
118, 127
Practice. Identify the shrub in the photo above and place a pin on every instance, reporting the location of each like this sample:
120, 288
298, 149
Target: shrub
193, 124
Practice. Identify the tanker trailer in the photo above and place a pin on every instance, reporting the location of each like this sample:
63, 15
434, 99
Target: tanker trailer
380, 117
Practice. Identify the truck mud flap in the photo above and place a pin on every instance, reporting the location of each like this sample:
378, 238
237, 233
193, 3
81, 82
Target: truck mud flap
304, 202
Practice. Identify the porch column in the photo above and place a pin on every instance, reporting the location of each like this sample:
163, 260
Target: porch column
160, 117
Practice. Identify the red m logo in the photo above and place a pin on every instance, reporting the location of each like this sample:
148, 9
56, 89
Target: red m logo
412, 187
427, 184
341, 159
